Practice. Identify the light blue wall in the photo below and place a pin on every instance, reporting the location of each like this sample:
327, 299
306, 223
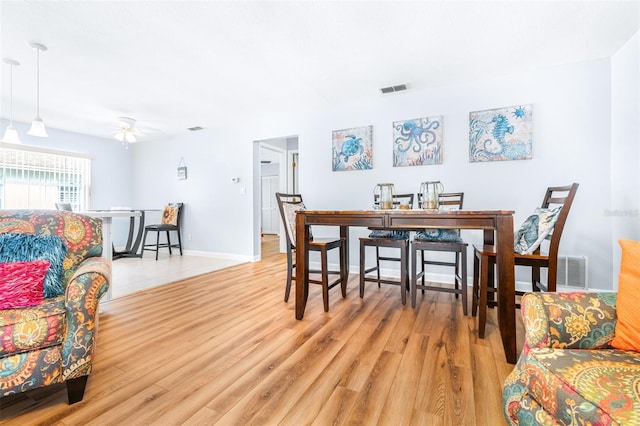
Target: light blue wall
625, 146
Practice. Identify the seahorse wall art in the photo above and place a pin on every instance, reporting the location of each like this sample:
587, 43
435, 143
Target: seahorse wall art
501, 134
352, 149
417, 142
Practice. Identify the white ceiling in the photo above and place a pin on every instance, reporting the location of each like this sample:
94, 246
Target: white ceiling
178, 64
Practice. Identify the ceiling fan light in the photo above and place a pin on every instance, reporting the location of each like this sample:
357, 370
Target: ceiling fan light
11, 135
37, 128
130, 137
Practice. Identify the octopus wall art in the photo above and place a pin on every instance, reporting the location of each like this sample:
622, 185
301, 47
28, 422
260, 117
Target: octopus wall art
352, 149
501, 134
417, 142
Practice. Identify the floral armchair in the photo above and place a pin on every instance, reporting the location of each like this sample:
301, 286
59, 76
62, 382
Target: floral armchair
567, 373
54, 341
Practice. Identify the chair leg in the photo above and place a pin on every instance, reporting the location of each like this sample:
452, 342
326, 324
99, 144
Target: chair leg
289, 273
378, 264
463, 267
552, 275
157, 244
484, 278
75, 389
144, 240
404, 254
422, 254
362, 267
169, 242
414, 267
475, 290
344, 278
179, 242
456, 273
325, 280
535, 278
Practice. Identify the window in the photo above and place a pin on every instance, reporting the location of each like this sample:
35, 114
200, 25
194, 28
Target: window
35, 178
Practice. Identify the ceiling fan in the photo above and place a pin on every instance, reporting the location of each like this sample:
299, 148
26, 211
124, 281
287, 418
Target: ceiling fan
127, 131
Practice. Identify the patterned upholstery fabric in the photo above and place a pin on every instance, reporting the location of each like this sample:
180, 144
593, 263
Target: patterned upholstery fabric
567, 373
54, 341
386, 233
437, 234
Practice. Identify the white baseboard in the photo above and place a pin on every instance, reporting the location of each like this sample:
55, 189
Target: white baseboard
448, 278
238, 257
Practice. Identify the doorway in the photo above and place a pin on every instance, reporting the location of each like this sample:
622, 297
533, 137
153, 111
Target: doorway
275, 170
270, 216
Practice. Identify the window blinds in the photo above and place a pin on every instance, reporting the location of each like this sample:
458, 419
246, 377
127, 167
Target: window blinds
38, 179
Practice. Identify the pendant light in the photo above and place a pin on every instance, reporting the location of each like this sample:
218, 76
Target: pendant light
11, 134
37, 125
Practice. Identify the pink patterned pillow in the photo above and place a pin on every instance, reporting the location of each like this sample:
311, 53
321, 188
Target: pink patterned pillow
21, 283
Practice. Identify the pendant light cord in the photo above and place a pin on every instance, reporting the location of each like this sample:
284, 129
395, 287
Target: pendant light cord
11, 95
38, 82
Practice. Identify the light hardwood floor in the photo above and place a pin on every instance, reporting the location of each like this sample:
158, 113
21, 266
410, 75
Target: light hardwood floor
224, 348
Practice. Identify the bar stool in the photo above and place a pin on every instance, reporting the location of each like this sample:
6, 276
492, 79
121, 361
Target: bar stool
387, 238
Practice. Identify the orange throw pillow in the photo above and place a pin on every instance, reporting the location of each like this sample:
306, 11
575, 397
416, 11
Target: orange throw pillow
627, 332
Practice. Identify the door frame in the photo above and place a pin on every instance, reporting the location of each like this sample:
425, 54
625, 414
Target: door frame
257, 189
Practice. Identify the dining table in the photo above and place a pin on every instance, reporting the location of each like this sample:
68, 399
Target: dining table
497, 227
107, 217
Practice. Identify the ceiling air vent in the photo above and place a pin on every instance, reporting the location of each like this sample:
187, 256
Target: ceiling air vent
393, 89
194, 129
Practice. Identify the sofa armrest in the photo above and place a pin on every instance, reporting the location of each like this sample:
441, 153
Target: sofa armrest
84, 290
579, 320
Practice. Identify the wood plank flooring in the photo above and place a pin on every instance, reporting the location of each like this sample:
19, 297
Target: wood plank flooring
225, 349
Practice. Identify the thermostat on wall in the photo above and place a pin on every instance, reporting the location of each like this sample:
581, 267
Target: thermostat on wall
235, 179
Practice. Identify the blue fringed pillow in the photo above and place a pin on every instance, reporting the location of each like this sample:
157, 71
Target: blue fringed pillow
29, 247
437, 234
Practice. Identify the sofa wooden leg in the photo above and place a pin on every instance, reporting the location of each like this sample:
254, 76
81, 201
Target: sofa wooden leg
75, 389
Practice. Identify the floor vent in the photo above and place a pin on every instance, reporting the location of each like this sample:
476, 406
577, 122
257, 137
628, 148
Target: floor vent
572, 272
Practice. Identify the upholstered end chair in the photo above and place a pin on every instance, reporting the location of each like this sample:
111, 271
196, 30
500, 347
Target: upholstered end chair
54, 341
567, 373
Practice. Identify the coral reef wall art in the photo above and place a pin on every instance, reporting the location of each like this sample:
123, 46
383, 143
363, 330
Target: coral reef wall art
501, 134
417, 142
352, 149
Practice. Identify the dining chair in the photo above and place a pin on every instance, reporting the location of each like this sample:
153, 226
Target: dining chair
171, 222
442, 241
289, 204
544, 225
387, 238
64, 206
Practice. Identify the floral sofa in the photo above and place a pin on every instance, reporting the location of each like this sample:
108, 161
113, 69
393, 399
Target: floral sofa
54, 341
567, 373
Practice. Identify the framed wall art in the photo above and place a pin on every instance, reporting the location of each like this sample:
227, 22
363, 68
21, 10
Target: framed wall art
501, 134
182, 169
352, 149
417, 142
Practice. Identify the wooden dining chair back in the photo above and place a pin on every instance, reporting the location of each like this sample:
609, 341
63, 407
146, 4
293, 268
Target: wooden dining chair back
171, 222
446, 200
398, 200
440, 240
64, 206
387, 238
484, 261
288, 205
